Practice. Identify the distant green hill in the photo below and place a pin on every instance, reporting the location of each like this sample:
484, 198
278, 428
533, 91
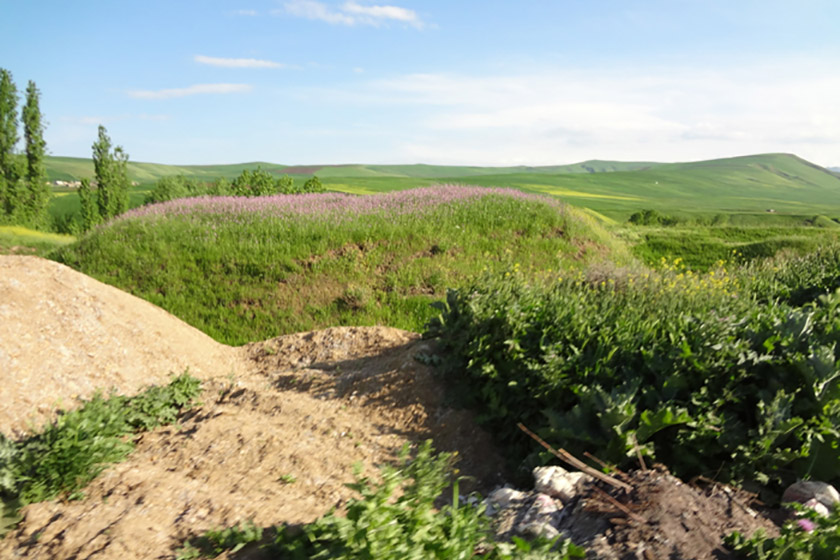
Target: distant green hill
68, 169
772, 183
768, 183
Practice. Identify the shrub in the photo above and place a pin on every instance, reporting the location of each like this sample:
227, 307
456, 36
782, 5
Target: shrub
706, 378
72, 451
397, 519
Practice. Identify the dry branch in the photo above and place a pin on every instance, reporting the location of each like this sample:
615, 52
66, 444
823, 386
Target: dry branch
564, 455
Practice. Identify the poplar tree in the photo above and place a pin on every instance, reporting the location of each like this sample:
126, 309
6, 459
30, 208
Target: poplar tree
9, 162
36, 197
110, 168
90, 209
111, 171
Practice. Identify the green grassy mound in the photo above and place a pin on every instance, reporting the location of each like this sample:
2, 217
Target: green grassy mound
250, 269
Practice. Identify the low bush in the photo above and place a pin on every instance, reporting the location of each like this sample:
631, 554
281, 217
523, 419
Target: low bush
249, 183
706, 377
67, 454
810, 537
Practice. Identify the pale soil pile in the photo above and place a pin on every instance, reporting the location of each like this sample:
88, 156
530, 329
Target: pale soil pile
304, 406
63, 334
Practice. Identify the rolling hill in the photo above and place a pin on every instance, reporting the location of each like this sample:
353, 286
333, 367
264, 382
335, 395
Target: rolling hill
69, 168
766, 183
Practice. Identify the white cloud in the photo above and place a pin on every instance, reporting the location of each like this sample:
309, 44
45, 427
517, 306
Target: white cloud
376, 13
249, 13
352, 13
641, 113
198, 89
88, 120
237, 62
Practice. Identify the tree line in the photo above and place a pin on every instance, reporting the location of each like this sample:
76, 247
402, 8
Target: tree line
249, 183
24, 192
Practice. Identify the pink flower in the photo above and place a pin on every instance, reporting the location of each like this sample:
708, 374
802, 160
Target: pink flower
806, 525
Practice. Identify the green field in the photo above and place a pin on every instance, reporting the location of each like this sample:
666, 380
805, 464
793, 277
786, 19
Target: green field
780, 184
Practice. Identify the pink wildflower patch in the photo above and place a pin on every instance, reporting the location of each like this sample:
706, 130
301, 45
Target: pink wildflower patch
333, 205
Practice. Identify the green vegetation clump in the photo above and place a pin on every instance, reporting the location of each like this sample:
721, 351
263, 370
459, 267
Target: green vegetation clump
810, 537
702, 246
395, 518
652, 218
707, 376
248, 183
795, 279
245, 269
67, 454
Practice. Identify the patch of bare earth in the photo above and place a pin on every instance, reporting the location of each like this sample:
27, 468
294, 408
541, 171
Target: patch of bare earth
662, 517
281, 424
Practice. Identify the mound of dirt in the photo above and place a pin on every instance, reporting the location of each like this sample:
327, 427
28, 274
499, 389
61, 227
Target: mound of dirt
281, 425
65, 335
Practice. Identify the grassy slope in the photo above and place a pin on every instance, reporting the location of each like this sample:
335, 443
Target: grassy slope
748, 184
245, 278
18, 239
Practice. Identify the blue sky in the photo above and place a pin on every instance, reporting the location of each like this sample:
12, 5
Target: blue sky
444, 82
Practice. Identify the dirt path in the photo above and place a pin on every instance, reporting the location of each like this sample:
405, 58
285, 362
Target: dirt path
302, 407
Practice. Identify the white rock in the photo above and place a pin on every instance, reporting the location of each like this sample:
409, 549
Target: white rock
806, 490
817, 506
539, 519
504, 497
557, 482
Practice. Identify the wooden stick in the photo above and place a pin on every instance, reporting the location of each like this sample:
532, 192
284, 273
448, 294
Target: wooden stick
604, 465
564, 455
638, 451
620, 506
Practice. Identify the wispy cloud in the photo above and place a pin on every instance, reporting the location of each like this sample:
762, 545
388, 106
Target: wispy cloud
237, 62
249, 13
568, 114
197, 89
352, 13
103, 119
